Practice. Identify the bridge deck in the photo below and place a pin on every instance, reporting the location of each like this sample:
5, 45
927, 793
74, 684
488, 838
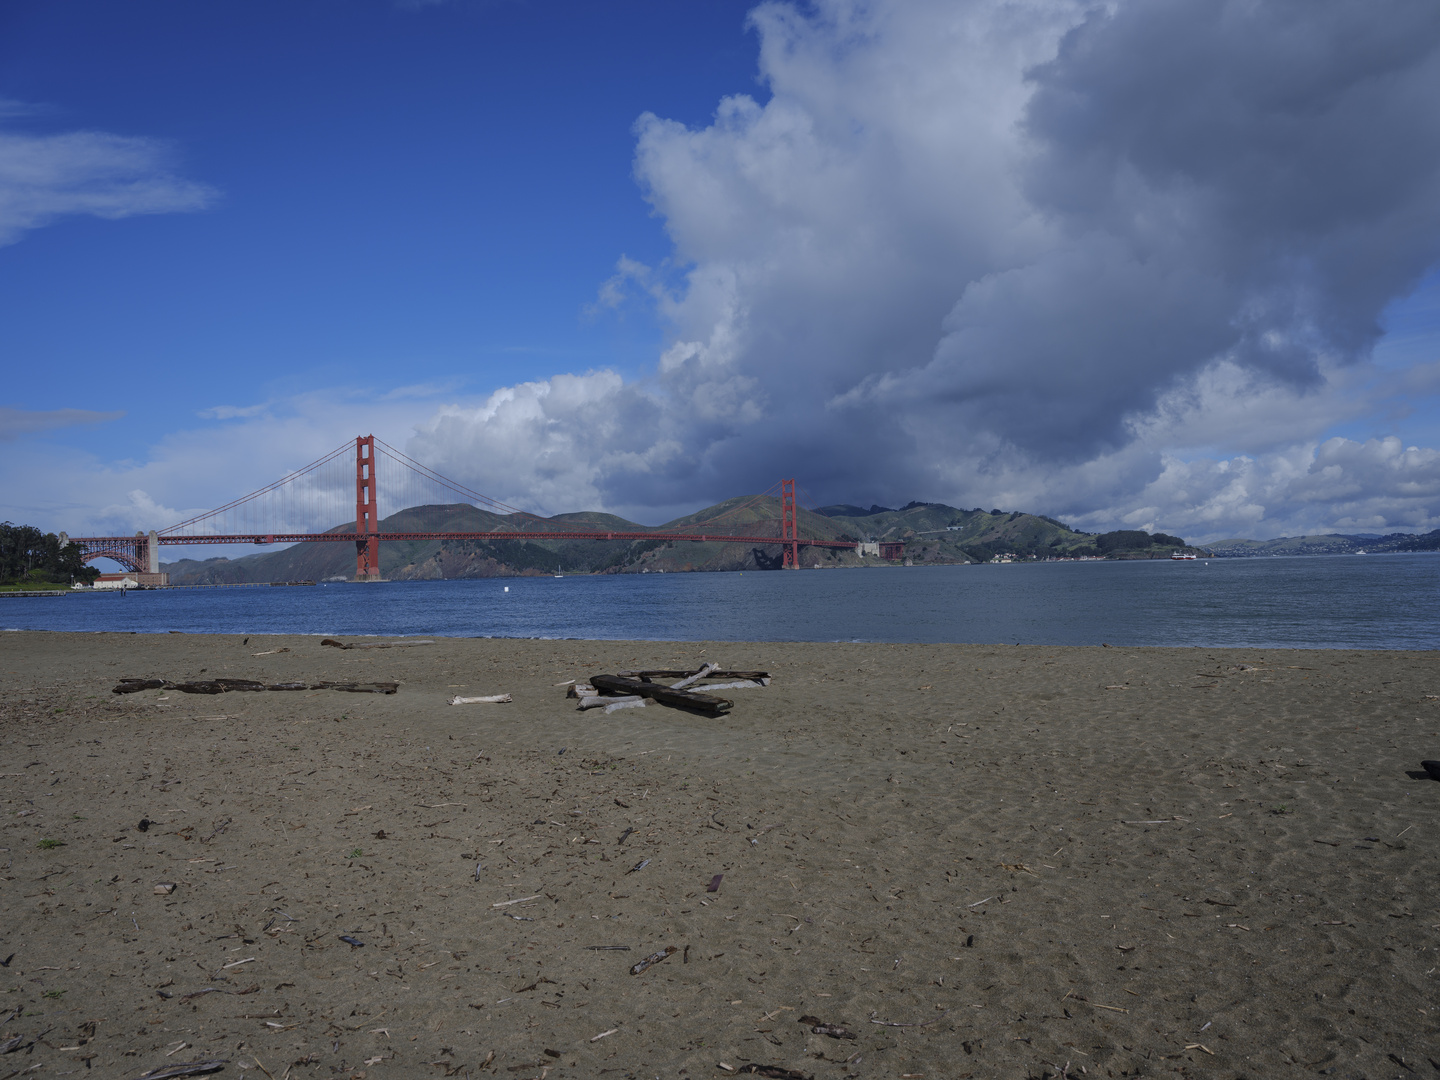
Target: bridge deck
350, 537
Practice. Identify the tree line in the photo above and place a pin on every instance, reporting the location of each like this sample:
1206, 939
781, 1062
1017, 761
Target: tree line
27, 554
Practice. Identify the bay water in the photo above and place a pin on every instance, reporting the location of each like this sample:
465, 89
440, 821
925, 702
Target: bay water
1364, 602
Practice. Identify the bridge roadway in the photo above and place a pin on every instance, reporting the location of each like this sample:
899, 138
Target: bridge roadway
351, 537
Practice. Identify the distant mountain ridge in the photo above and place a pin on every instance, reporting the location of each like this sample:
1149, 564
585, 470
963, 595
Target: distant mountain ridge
1328, 544
933, 533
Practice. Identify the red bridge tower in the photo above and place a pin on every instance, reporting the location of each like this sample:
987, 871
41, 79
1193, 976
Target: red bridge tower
367, 523
789, 532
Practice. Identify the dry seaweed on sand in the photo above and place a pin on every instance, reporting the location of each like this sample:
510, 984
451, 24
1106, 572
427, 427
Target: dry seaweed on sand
654, 958
820, 1027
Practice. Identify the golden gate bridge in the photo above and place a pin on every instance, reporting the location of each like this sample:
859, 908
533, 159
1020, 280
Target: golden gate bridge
321, 490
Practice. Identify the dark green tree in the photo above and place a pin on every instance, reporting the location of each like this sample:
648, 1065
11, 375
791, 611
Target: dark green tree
26, 553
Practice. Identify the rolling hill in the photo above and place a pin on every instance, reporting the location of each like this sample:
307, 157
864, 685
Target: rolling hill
932, 532
1329, 544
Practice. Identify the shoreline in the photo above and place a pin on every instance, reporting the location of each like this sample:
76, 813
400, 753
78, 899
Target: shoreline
1133, 859
720, 645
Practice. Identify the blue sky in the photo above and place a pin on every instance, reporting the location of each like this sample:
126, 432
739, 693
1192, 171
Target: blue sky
402, 195
1169, 265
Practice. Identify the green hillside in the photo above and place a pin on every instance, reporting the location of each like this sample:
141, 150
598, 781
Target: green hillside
932, 532
428, 559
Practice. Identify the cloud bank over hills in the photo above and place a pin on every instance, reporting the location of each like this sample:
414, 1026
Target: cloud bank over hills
1121, 263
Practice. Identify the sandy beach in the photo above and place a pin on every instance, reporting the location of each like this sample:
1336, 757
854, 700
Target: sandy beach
955, 861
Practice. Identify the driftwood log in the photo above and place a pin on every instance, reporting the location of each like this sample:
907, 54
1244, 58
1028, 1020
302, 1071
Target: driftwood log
131, 686
223, 686
673, 673
597, 702
625, 703
239, 684
691, 680
374, 644
358, 688
665, 695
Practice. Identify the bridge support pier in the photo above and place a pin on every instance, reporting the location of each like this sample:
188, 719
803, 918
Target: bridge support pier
789, 531
367, 524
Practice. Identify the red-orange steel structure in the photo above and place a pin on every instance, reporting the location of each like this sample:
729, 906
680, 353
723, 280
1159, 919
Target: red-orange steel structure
789, 528
367, 519
366, 535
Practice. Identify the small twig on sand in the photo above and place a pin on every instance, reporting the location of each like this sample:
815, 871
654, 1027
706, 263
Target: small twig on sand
926, 1023
184, 1068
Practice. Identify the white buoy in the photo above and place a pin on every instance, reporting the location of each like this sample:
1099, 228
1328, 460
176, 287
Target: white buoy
507, 588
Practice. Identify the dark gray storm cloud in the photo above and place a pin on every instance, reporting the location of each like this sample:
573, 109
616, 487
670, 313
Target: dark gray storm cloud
1124, 262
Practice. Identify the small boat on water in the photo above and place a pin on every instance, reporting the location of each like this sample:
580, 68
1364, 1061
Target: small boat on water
1181, 556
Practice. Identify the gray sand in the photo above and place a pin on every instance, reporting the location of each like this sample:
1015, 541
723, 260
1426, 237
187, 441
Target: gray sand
981, 861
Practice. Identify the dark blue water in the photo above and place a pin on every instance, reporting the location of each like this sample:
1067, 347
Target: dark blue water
1368, 602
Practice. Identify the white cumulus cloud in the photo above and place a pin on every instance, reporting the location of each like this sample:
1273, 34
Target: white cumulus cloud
1124, 263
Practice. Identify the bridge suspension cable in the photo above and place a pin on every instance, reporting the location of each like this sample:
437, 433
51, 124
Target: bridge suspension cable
312, 504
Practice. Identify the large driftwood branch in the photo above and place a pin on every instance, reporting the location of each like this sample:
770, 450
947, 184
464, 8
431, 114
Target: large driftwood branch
674, 673
691, 680
596, 701
680, 699
624, 703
